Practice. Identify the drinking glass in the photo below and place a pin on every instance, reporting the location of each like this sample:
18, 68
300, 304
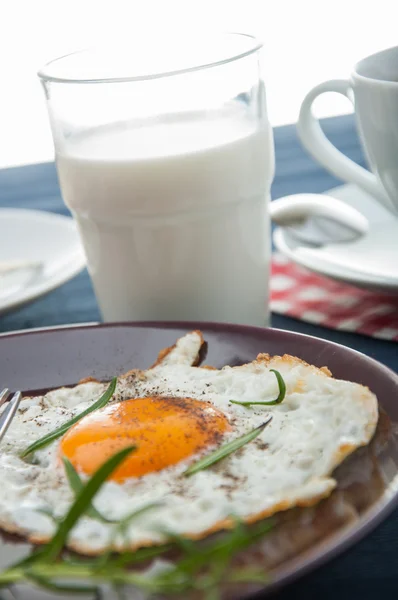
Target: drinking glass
165, 159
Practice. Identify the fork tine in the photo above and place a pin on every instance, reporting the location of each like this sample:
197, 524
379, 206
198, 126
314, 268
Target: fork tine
4, 395
8, 414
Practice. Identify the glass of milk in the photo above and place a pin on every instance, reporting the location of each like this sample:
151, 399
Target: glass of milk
165, 158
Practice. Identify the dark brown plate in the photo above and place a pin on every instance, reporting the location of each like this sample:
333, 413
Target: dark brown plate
368, 484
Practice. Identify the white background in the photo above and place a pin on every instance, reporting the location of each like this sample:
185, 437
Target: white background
306, 41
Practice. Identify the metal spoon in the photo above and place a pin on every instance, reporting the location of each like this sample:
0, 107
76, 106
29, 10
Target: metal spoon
317, 219
10, 266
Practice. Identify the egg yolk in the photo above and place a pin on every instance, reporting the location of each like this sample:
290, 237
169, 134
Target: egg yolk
164, 430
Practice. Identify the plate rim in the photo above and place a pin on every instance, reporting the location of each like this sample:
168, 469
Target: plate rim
196, 325
72, 266
349, 534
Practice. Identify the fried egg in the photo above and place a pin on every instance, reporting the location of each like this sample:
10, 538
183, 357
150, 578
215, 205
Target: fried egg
176, 413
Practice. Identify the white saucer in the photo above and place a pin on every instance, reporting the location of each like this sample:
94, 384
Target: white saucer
371, 262
49, 240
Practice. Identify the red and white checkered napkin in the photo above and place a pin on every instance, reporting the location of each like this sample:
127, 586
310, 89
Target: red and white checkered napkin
299, 293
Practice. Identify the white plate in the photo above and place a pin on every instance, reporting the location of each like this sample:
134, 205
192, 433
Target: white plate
46, 238
370, 262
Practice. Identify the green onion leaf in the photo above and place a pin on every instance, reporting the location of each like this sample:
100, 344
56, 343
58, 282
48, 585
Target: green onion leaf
125, 521
77, 485
121, 529
202, 570
278, 400
48, 513
123, 524
35, 557
52, 586
231, 542
185, 544
225, 450
143, 554
50, 437
83, 502
78, 560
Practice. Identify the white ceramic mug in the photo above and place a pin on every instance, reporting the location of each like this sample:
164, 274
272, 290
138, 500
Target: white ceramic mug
373, 89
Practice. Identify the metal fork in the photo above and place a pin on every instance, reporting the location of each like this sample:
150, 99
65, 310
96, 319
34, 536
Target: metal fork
8, 413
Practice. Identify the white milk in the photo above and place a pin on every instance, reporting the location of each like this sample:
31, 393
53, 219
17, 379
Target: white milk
173, 214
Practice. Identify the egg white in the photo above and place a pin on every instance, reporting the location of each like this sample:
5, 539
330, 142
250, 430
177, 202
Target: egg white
319, 423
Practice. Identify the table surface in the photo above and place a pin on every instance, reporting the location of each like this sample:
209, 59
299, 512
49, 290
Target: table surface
368, 570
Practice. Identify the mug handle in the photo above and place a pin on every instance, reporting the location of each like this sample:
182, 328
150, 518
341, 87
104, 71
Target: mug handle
322, 150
